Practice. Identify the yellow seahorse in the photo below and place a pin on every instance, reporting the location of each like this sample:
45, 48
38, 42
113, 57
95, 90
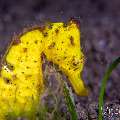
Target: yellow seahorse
21, 80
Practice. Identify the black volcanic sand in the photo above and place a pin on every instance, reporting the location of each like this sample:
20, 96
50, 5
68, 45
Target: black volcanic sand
100, 39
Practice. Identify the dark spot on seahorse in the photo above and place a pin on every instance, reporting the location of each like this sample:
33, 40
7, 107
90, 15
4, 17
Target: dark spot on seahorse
27, 67
52, 45
41, 29
27, 87
50, 26
36, 41
67, 77
75, 63
16, 41
28, 76
65, 57
24, 49
35, 61
27, 42
56, 31
65, 25
58, 60
14, 77
72, 40
75, 69
60, 71
43, 56
33, 83
7, 80
45, 34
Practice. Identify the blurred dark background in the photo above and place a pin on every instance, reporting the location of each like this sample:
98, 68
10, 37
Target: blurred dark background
100, 34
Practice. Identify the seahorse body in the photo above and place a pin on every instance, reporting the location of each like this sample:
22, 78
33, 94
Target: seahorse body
21, 80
